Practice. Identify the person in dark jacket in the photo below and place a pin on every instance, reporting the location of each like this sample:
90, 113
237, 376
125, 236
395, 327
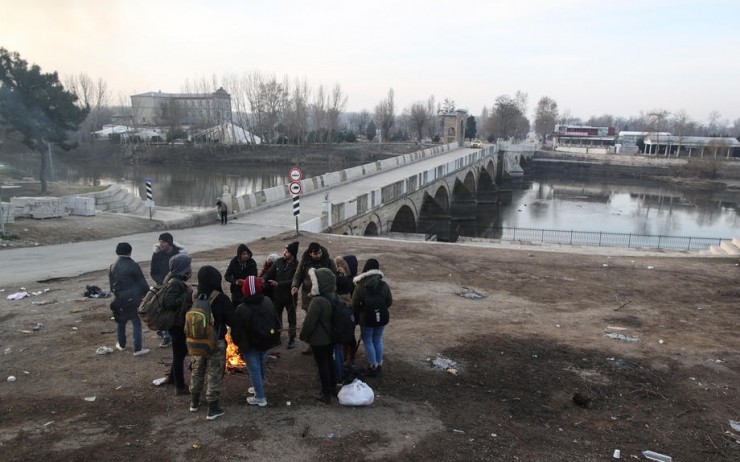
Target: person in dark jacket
209, 282
316, 256
316, 329
178, 297
241, 266
255, 359
163, 250
128, 285
267, 288
280, 277
372, 337
346, 271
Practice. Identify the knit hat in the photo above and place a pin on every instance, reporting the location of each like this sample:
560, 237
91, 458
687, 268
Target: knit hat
123, 248
293, 248
166, 237
371, 264
252, 285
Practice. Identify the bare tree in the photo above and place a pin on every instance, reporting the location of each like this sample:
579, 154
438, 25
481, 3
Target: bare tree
483, 118
545, 115
522, 101
432, 111
656, 117
682, 125
93, 94
337, 101
714, 123
419, 118
385, 115
363, 118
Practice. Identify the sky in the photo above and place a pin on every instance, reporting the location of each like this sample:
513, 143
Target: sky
592, 57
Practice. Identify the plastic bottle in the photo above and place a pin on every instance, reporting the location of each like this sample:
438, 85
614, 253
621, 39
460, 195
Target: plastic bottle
657, 456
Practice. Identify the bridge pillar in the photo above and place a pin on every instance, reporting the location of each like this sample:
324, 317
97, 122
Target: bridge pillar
433, 219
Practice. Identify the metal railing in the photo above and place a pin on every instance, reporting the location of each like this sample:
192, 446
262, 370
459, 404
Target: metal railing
599, 238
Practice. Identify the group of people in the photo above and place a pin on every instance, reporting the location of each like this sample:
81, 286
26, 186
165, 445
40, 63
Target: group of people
274, 288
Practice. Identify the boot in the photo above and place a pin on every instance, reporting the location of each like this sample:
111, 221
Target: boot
291, 343
214, 411
307, 351
194, 402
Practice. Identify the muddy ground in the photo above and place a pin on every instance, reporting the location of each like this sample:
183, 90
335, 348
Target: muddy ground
538, 337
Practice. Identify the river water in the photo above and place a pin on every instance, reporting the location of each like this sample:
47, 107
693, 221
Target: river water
561, 203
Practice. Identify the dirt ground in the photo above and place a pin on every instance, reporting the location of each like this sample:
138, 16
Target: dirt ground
538, 337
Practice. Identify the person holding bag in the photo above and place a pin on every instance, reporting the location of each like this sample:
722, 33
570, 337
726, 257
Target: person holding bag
128, 285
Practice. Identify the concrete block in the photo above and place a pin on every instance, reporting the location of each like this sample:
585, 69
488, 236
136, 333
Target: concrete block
729, 248
7, 213
79, 205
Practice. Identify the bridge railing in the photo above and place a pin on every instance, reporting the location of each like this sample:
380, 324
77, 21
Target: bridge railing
597, 238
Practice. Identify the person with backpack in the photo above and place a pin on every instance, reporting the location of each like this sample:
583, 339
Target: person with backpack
346, 272
178, 297
257, 330
209, 289
128, 285
163, 250
280, 277
317, 329
370, 302
241, 266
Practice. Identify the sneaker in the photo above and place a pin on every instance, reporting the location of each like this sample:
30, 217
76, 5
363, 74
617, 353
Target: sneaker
214, 411
251, 390
165, 342
291, 344
141, 352
162, 381
194, 404
120, 348
261, 402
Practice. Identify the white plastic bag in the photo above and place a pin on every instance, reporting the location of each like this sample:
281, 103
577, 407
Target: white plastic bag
357, 393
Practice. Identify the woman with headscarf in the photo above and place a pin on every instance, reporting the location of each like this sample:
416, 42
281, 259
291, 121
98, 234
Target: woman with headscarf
240, 267
371, 279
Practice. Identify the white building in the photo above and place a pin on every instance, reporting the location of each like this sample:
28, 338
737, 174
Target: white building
157, 109
692, 146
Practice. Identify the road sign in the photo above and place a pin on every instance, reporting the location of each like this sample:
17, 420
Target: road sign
295, 188
295, 174
296, 208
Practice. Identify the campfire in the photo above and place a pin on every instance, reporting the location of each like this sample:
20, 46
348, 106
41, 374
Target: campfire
233, 360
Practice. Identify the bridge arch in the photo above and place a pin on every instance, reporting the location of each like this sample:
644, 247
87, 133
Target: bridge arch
442, 197
470, 182
405, 219
373, 227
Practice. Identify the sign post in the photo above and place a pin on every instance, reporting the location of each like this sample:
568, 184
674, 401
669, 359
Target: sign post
295, 189
149, 199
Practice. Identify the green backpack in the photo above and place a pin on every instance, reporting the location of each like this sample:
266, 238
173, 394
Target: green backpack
200, 333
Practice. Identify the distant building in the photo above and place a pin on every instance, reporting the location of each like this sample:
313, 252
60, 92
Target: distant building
157, 109
454, 126
627, 141
692, 146
584, 138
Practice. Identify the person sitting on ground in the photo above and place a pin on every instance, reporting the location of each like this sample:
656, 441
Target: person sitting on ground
316, 329
372, 336
255, 359
128, 285
241, 266
178, 297
163, 250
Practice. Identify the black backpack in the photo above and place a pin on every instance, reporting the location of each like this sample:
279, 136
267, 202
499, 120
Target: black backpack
376, 311
342, 322
264, 330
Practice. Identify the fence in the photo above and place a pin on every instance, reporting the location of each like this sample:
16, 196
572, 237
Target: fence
601, 238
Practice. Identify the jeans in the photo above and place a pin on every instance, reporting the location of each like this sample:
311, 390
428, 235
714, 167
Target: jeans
179, 352
256, 360
326, 366
339, 361
372, 337
121, 330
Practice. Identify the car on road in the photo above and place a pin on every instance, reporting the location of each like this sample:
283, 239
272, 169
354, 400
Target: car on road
476, 144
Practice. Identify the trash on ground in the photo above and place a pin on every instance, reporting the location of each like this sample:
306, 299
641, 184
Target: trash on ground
11, 378
17, 295
472, 295
104, 350
444, 363
46, 302
452, 371
660, 341
458, 431
615, 328
650, 267
288, 403
735, 425
26, 331
330, 435
160, 381
38, 326
657, 456
90, 399
626, 338
617, 454
48, 423
7, 351
605, 265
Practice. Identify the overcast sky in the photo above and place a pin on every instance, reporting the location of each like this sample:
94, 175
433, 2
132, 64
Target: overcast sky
593, 57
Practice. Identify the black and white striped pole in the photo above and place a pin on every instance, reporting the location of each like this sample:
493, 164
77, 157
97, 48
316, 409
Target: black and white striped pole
295, 189
149, 196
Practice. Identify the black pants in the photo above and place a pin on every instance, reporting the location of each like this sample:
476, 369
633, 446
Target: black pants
224, 216
179, 352
290, 308
327, 368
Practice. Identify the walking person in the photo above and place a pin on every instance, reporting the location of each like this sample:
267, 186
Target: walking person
255, 358
223, 210
315, 257
178, 297
372, 296
316, 329
163, 250
240, 267
280, 277
209, 284
128, 285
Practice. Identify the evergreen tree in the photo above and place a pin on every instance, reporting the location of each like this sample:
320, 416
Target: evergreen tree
370, 131
471, 129
37, 106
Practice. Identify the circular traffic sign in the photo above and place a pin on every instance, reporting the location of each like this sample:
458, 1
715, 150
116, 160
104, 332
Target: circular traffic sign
296, 174
295, 188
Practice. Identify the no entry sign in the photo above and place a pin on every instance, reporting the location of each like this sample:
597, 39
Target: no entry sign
296, 174
295, 188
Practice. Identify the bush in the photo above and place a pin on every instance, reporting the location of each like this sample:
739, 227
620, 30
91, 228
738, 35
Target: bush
704, 167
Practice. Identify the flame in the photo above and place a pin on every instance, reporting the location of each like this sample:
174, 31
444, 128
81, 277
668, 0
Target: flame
233, 358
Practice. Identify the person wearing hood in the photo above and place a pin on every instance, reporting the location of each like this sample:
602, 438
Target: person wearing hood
316, 329
163, 250
315, 257
346, 271
372, 337
209, 281
128, 285
255, 359
280, 277
240, 267
267, 288
178, 297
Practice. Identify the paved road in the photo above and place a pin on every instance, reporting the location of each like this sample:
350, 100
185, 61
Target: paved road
19, 266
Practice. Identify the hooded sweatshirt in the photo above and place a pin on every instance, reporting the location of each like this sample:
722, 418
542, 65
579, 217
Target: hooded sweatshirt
178, 294
240, 270
209, 279
316, 328
345, 286
307, 262
369, 278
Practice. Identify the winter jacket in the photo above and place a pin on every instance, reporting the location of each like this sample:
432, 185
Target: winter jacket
239, 270
178, 297
362, 282
316, 328
282, 271
128, 285
345, 285
161, 261
209, 279
240, 331
301, 276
